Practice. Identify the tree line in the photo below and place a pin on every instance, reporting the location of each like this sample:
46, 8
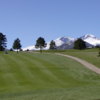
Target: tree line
40, 43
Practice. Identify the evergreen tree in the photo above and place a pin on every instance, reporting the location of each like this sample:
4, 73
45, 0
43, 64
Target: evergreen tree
52, 45
3, 41
79, 44
17, 45
40, 43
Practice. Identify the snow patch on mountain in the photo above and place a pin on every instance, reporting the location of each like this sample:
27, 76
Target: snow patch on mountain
91, 39
29, 48
58, 42
88, 36
63, 40
61, 43
64, 43
33, 47
68, 43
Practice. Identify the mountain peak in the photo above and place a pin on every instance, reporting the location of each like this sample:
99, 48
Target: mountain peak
68, 38
68, 43
91, 39
88, 36
63, 40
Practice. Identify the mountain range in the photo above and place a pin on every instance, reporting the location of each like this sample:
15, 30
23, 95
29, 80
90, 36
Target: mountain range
68, 43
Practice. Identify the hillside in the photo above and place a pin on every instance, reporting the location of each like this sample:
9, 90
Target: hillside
35, 76
90, 55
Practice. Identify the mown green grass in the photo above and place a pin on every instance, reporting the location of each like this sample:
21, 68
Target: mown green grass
35, 76
90, 55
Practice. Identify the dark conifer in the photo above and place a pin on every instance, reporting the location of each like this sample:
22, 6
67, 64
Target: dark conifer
79, 44
40, 43
17, 45
3, 41
52, 45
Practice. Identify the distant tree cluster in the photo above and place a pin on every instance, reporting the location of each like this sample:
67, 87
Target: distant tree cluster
3, 44
40, 43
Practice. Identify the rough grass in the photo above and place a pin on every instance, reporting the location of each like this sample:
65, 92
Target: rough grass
34, 76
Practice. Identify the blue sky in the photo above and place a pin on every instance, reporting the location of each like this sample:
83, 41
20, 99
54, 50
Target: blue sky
30, 19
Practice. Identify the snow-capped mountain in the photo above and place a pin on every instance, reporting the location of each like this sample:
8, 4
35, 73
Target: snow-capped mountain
68, 43
62, 40
61, 43
91, 39
64, 43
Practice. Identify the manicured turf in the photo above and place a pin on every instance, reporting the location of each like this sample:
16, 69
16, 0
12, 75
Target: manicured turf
35, 76
90, 55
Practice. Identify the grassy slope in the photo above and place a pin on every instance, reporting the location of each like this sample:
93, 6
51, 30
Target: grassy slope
29, 76
90, 55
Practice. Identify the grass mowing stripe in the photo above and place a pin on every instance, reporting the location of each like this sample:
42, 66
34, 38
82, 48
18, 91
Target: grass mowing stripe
53, 67
73, 68
2, 70
10, 75
23, 69
77, 93
45, 75
20, 75
43, 70
27, 60
63, 77
6, 72
47, 71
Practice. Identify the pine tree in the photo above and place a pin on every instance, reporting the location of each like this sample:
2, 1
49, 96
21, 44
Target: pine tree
3, 41
17, 45
52, 45
40, 43
79, 44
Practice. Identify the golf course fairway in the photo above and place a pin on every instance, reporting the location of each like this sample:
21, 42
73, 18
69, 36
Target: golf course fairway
36, 76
